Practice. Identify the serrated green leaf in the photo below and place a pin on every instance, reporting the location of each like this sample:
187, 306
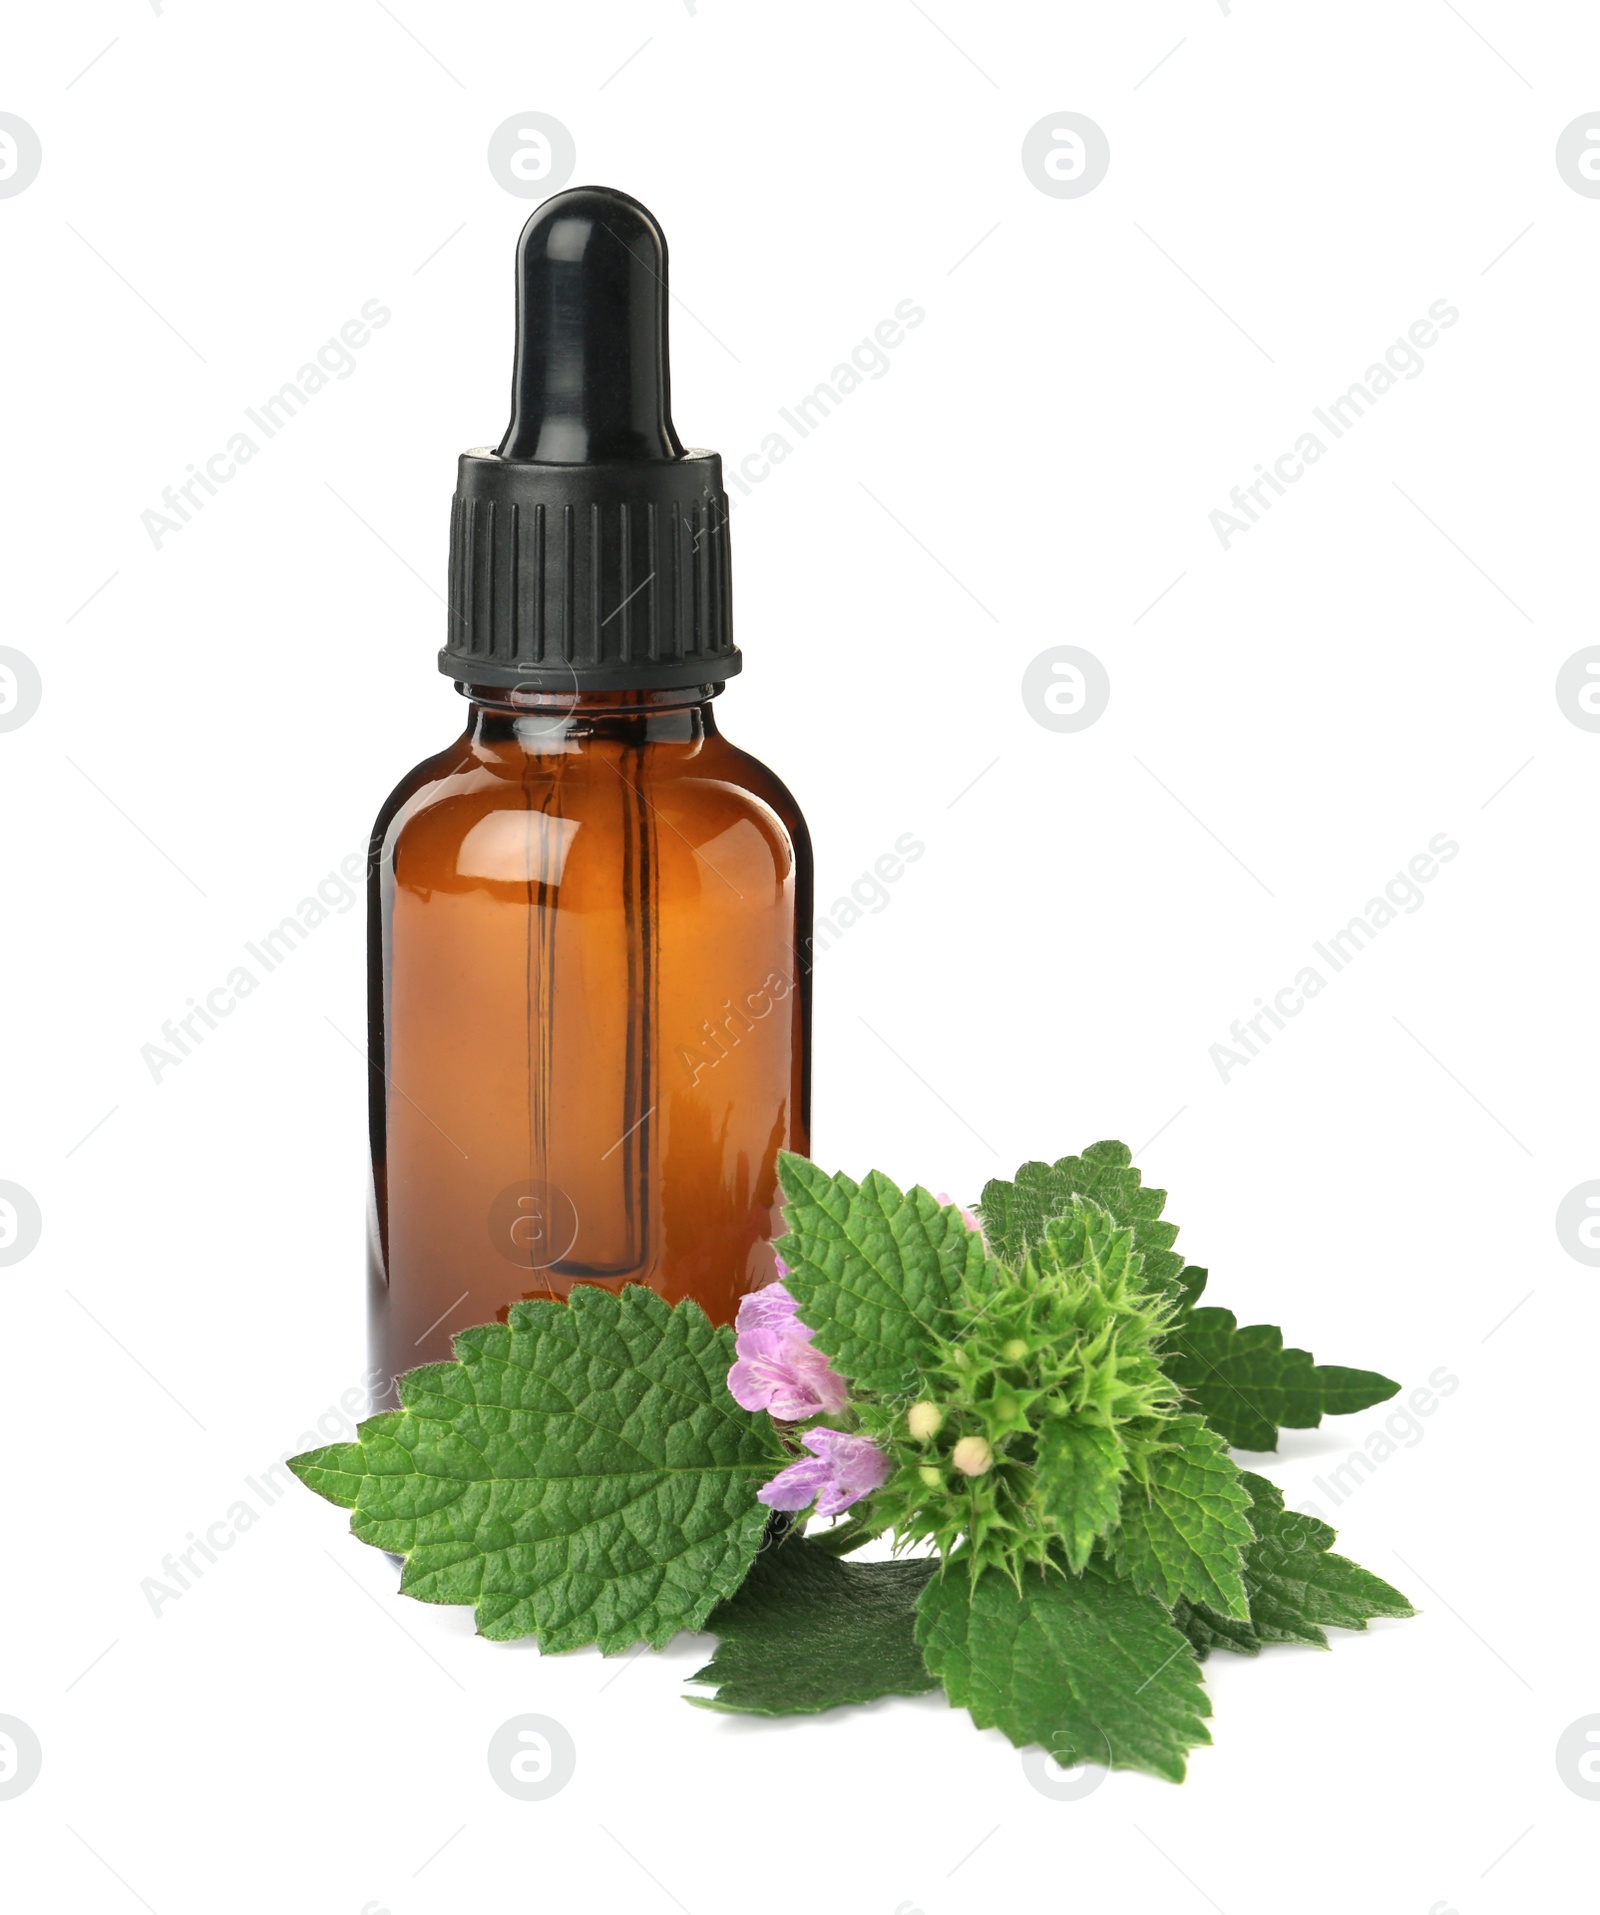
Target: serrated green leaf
1295, 1586
1184, 1530
1189, 1286
875, 1271
336, 1472
1015, 1212
1080, 1476
579, 1473
807, 1632
1087, 1667
1246, 1384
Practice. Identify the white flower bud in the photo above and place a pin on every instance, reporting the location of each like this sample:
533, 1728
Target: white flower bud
972, 1456
923, 1420
1015, 1350
930, 1476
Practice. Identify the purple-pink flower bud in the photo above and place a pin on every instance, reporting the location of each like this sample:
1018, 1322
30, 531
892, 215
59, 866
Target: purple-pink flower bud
968, 1217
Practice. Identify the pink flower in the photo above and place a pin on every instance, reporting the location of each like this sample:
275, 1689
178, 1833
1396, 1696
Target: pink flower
778, 1369
968, 1217
839, 1471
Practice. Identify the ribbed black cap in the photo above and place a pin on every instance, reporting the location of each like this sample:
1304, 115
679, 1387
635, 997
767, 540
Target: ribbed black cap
590, 551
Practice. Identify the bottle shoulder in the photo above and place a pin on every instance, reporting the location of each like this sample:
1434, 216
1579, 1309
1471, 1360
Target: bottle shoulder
746, 773
472, 806
423, 781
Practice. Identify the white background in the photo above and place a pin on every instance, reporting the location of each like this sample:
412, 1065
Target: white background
1295, 718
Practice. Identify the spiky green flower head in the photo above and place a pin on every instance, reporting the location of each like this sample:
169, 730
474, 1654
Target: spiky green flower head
1043, 1400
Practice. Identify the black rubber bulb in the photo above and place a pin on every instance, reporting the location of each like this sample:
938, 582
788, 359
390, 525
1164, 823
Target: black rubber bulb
591, 381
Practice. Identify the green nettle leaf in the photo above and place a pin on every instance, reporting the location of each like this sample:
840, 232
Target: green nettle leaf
1294, 1585
808, 1632
1185, 1529
1014, 1214
874, 1270
1246, 1384
1189, 1286
1080, 1475
1087, 1667
579, 1473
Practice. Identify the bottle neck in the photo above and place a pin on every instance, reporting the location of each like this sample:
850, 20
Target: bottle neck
543, 720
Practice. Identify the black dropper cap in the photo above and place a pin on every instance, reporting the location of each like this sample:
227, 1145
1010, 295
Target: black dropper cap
589, 551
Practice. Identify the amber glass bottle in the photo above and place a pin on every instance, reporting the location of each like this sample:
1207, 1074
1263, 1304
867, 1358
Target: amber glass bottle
589, 991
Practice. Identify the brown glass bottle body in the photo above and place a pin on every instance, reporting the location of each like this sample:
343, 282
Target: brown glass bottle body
589, 1012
